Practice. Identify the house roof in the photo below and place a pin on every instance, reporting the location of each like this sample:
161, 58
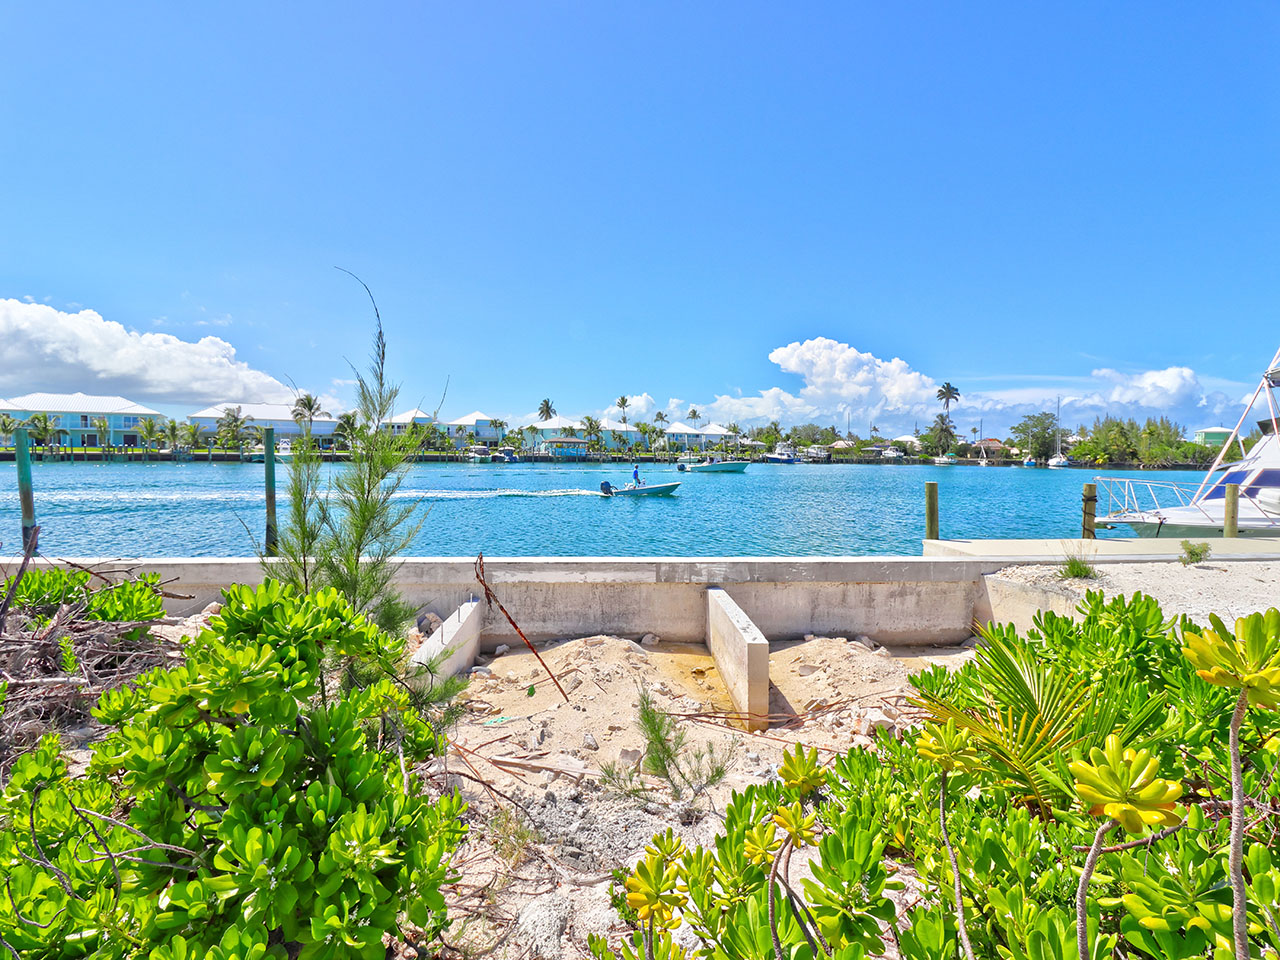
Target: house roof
679, 426
259, 411
617, 426
409, 416
556, 422
78, 403
471, 419
907, 438
715, 430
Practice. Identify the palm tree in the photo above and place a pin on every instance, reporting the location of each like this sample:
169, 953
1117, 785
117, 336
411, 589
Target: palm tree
44, 429
8, 424
948, 395
150, 432
660, 417
233, 427
500, 426
532, 431
346, 427
944, 433
693, 416
622, 403
192, 436
546, 410
308, 408
591, 429
172, 431
102, 427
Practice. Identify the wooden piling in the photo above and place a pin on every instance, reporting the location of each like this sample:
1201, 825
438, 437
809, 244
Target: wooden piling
931, 510
1089, 505
269, 461
26, 494
1231, 511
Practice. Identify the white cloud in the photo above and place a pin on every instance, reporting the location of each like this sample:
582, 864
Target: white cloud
42, 348
839, 382
1158, 389
639, 404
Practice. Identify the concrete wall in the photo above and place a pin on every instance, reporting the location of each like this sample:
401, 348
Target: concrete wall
741, 653
458, 638
899, 600
1007, 601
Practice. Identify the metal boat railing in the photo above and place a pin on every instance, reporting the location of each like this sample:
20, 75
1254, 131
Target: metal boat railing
1126, 495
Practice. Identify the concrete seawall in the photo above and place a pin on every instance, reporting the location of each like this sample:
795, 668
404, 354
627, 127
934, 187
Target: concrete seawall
898, 600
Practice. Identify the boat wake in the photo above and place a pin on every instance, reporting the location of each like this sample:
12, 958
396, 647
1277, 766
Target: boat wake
108, 498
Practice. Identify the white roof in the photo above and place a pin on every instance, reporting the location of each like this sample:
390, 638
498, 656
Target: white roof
842, 445
556, 423
907, 438
259, 411
680, 426
78, 403
715, 430
617, 426
471, 419
409, 416
753, 443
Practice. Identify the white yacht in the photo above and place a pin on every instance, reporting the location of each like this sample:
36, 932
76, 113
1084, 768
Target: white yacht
1058, 460
479, 453
1153, 508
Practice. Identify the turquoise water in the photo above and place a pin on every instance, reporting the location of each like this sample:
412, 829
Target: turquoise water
202, 509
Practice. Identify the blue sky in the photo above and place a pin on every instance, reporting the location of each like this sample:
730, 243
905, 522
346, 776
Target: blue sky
809, 212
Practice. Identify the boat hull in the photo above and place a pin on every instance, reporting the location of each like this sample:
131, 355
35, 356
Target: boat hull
732, 466
1188, 531
645, 490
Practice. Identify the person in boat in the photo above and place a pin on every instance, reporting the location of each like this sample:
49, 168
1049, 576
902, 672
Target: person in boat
635, 475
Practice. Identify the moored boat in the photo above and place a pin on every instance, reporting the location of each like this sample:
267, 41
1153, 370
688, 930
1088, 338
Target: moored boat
1153, 508
479, 453
713, 465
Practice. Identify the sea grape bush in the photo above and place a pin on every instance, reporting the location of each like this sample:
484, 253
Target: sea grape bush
40, 592
238, 809
1029, 759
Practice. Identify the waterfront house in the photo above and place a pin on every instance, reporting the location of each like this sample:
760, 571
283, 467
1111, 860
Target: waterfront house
908, 440
474, 424
626, 433
713, 434
551, 428
402, 421
76, 413
1212, 436
276, 415
681, 436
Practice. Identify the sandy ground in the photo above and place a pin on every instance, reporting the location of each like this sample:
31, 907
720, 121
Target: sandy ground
1230, 590
544, 755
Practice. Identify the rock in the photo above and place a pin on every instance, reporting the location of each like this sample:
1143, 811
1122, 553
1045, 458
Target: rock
573, 683
753, 758
542, 924
481, 672
500, 649
593, 641
649, 640
630, 758
589, 741
212, 610
809, 638
884, 652
805, 669
428, 622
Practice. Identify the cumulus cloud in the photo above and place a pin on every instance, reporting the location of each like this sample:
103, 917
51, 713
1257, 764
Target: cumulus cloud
42, 348
839, 382
637, 405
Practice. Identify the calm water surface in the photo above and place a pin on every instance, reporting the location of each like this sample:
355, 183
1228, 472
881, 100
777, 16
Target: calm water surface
202, 509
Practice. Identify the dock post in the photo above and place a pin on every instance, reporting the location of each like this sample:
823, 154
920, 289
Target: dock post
931, 510
1231, 511
26, 495
269, 462
1089, 502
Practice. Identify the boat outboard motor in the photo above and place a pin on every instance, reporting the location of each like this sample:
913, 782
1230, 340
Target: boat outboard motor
681, 467
606, 488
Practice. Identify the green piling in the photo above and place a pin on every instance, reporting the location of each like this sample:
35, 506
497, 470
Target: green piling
26, 494
1231, 511
269, 461
931, 510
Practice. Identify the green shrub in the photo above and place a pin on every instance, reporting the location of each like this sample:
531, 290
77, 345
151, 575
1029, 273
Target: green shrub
1193, 553
239, 810
42, 590
1077, 568
1001, 774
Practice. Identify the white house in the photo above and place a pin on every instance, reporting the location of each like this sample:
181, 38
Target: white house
401, 421
477, 424
552, 428
682, 436
77, 413
910, 441
276, 415
626, 431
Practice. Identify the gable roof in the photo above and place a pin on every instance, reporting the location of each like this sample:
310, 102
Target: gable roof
409, 416
471, 419
259, 411
79, 403
556, 423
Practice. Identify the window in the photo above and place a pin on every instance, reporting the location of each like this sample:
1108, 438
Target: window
1219, 490
84, 420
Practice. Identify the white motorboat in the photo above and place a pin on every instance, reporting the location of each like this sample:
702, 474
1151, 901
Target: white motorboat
892, 453
480, 454
506, 455
1153, 508
1030, 462
714, 465
943, 462
783, 452
689, 459
639, 489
